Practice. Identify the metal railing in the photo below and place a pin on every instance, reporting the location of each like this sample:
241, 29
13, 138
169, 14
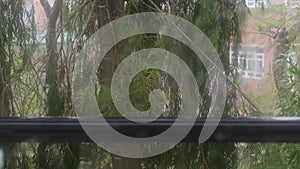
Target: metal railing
229, 129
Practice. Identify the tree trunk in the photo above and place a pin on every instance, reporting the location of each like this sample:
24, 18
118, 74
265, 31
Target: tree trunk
55, 97
4, 74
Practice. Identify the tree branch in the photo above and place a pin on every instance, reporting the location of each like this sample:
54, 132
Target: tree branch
56, 9
264, 33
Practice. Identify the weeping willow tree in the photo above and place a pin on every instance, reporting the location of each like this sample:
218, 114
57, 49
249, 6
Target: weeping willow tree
73, 22
221, 22
58, 90
16, 45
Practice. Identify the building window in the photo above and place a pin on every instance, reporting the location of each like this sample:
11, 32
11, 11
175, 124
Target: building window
255, 3
250, 3
250, 62
292, 3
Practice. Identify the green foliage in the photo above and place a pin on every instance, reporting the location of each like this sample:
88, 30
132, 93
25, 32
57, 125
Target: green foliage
269, 156
275, 156
290, 105
221, 21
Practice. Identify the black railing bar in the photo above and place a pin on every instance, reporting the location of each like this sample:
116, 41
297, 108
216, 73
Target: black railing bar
266, 129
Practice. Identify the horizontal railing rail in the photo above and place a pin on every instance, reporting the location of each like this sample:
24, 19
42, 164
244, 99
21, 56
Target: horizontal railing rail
228, 130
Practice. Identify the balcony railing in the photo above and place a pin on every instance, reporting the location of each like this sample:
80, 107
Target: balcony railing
229, 130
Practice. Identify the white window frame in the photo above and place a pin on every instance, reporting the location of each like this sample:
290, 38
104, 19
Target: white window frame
292, 3
257, 55
255, 3
250, 3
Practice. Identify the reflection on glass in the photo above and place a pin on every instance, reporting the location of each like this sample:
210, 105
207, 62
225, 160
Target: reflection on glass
258, 42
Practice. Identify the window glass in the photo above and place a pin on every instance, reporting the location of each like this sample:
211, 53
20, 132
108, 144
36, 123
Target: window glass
250, 62
44, 51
